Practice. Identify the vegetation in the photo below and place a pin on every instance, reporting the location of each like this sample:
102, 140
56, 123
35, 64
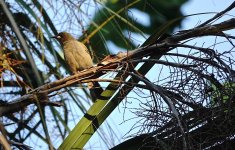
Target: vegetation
180, 85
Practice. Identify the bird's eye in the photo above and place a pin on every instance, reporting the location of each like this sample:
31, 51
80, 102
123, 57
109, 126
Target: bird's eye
58, 37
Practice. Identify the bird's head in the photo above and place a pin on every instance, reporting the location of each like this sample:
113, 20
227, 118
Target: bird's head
63, 37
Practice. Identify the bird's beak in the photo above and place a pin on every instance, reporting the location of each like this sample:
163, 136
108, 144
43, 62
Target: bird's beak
54, 37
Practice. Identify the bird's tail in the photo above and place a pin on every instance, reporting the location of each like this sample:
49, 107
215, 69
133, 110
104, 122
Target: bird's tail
95, 90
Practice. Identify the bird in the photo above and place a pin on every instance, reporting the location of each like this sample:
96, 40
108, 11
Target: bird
77, 58
76, 53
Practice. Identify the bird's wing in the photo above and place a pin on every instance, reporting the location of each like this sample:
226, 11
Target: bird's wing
80, 54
